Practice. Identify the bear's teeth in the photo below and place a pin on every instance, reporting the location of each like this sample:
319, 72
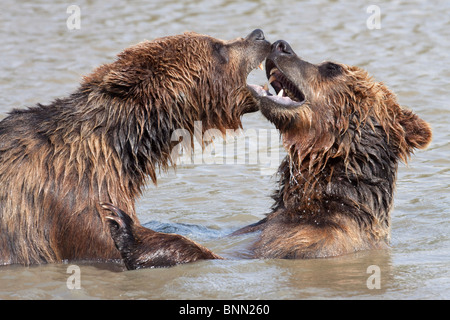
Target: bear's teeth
272, 78
280, 94
261, 66
273, 71
266, 87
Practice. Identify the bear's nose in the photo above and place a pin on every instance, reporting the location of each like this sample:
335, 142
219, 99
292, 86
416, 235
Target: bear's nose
282, 46
257, 34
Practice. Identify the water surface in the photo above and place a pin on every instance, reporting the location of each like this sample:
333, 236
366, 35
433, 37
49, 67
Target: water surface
41, 60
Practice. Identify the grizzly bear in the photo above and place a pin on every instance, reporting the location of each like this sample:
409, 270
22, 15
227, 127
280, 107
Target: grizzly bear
59, 161
344, 135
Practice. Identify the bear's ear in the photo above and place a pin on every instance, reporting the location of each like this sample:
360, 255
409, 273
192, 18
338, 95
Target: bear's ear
119, 82
417, 131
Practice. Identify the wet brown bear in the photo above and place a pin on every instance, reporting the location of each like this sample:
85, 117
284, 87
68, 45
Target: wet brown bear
344, 134
59, 161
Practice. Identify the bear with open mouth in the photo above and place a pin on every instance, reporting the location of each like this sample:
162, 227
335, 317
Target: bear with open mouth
102, 143
344, 134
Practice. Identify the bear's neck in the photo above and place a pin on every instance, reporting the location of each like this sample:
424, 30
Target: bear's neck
134, 140
359, 186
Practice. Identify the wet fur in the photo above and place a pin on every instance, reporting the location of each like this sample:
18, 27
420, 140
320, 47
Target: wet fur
336, 185
144, 248
100, 144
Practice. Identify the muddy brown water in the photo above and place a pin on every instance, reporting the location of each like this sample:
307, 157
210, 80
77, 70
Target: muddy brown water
220, 191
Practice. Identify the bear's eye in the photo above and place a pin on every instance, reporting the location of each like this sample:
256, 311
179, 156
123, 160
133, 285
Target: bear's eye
330, 69
221, 52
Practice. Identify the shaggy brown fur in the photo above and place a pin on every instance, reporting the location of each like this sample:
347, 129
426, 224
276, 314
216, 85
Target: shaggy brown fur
344, 134
58, 161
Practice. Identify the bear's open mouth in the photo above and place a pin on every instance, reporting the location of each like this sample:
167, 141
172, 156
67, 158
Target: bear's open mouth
284, 87
287, 93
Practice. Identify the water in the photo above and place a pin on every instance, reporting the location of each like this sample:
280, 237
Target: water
41, 59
